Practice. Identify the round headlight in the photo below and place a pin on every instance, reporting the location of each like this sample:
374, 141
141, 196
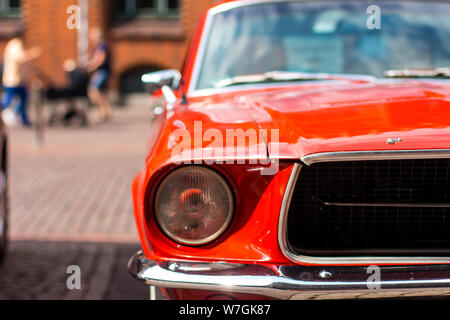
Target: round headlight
194, 205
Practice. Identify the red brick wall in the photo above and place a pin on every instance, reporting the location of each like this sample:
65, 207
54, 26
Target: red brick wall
99, 16
2, 48
159, 50
162, 44
45, 25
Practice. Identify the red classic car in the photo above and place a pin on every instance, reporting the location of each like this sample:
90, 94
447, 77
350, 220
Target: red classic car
304, 152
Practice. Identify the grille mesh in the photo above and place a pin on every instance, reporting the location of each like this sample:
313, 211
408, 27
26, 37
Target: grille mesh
388, 207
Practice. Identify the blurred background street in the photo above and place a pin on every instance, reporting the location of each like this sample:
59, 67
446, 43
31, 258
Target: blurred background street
71, 199
71, 205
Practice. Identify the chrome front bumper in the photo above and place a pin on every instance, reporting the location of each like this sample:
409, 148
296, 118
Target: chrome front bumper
295, 282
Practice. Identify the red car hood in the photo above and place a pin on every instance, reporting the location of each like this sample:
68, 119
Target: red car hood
354, 117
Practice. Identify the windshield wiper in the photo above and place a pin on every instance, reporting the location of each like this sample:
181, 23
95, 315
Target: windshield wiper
418, 73
272, 76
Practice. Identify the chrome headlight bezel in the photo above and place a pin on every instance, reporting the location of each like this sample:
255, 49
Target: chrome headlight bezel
229, 214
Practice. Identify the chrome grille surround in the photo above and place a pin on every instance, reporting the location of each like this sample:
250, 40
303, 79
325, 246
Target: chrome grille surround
351, 156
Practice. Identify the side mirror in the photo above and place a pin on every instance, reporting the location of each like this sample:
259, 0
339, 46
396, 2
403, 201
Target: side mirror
156, 80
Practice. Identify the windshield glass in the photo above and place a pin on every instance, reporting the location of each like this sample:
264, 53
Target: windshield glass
345, 37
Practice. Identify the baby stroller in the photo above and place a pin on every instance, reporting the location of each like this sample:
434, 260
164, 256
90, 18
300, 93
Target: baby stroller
71, 97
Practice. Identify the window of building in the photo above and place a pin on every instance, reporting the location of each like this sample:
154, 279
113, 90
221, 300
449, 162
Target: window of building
146, 8
9, 7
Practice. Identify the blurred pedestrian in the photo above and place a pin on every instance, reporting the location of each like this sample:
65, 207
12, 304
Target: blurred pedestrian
14, 83
68, 95
100, 65
77, 81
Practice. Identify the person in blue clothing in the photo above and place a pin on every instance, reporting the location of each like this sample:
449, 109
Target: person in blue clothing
100, 65
14, 81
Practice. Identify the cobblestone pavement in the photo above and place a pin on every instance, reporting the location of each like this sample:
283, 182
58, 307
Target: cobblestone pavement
71, 205
37, 270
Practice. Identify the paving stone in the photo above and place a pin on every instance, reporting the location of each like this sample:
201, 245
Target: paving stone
37, 270
71, 205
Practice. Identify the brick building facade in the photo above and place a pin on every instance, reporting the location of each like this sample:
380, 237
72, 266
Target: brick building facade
144, 35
